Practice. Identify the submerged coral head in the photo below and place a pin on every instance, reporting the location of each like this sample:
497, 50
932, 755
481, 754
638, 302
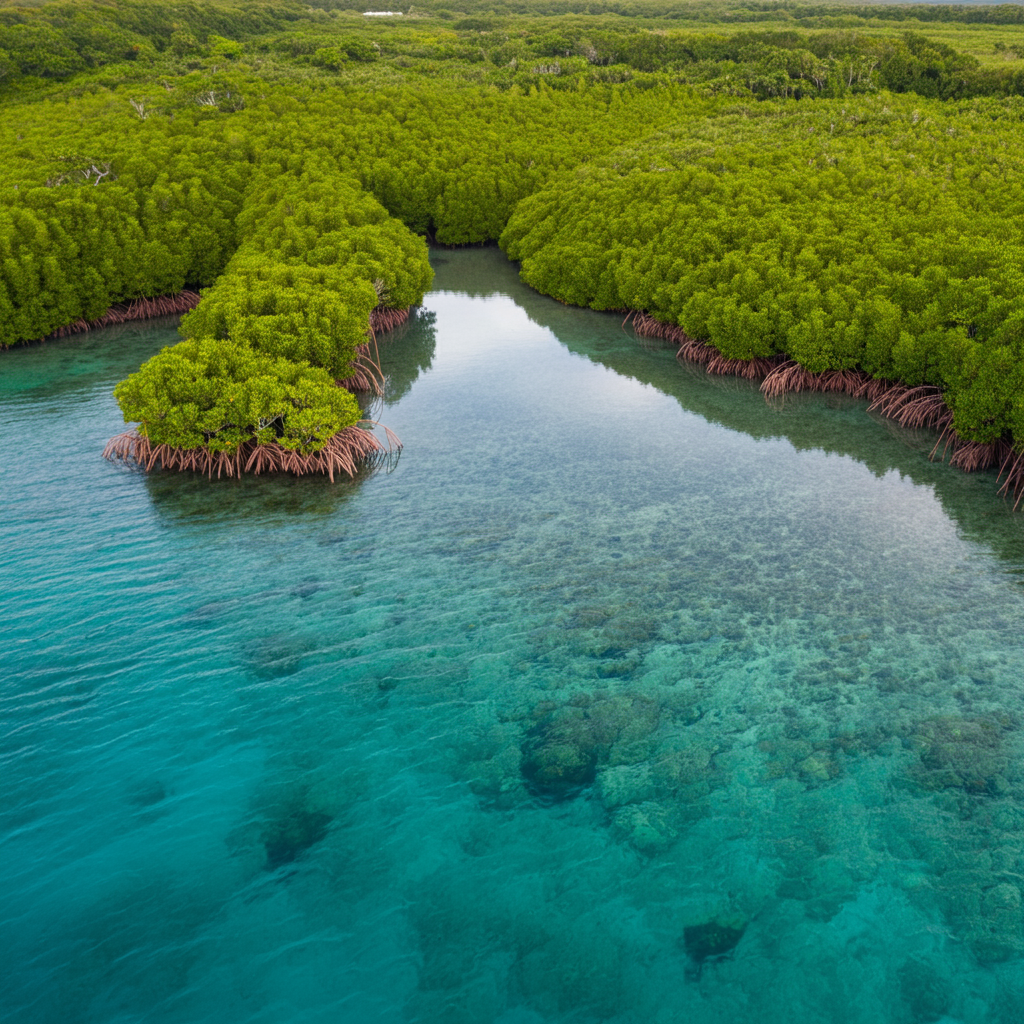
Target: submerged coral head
556, 768
287, 839
710, 942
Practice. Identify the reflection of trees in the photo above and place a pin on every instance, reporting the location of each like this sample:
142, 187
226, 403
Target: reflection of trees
267, 500
831, 423
477, 272
406, 352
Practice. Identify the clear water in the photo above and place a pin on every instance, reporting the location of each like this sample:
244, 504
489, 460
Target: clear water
623, 697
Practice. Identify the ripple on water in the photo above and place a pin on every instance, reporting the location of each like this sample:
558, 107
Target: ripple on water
621, 698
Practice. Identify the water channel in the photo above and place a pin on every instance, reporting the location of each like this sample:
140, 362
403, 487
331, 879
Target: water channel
621, 697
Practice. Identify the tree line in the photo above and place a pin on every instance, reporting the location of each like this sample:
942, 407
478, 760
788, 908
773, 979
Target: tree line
766, 58
883, 237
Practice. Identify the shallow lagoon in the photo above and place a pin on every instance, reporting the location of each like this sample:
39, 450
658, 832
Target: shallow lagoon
622, 697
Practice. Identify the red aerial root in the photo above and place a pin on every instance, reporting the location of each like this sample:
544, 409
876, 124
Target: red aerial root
694, 351
914, 407
137, 309
383, 318
345, 452
1013, 468
365, 373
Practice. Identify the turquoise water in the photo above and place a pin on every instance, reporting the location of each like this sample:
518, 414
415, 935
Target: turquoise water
622, 697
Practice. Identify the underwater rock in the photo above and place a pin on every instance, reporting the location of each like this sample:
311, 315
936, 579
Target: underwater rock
624, 633
813, 764
651, 800
562, 750
985, 912
290, 836
557, 767
607, 632
497, 780
588, 618
616, 669
307, 589
925, 988
630, 753
486, 753
999, 933
782, 756
277, 655
960, 754
822, 884
815, 769
148, 793
683, 768
645, 827
711, 941
625, 784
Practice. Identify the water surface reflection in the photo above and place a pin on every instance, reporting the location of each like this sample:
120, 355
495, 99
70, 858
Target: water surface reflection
624, 698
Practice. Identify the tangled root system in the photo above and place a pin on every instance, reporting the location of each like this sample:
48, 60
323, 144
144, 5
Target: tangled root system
366, 374
694, 351
137, 309
348, 451
1012, 468
383, 318
914, 407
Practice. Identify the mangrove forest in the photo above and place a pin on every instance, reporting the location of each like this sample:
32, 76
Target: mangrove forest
513, 512
819, 197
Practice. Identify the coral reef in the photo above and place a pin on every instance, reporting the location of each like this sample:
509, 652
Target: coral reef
565, 745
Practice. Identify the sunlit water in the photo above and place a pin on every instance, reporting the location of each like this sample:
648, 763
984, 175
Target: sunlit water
623, 697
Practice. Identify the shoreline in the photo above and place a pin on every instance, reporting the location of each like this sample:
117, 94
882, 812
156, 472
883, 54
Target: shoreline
382, 318
366, 373
347, 451
123, 312
910, 406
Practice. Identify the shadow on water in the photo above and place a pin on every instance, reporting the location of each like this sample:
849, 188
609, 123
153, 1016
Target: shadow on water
34, 372
269, 499
835, 424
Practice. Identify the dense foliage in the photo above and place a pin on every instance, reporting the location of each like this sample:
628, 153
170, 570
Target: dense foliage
284, 320
112, 208
219, 394
318, 254
840, 185
766, 48
880, 240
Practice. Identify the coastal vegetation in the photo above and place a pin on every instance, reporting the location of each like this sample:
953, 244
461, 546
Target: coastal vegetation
818, 195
